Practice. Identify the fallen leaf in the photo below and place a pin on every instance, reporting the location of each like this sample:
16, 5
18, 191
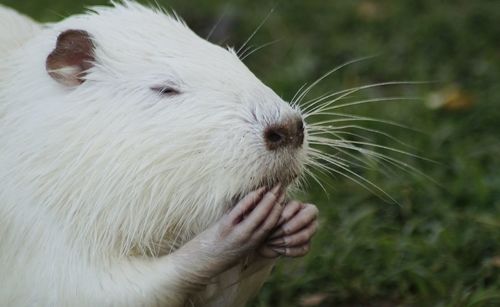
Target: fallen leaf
495, 261
369, 10
451, 98
313, 299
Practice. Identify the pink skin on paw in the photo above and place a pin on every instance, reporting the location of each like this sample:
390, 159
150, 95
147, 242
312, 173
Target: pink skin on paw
248, 224
236, 235
297, 225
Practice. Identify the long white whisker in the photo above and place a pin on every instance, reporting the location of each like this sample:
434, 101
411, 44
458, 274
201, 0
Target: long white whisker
343, 142
328, 73
293, 101
244, 56
244, 51
365, 183
217, 23
373, 100
395, 162
312, 102
351, 117
364, 163
393, 149
318, 152
339, 133
256, 30
321, 130
405, 167
360, 88
309, 173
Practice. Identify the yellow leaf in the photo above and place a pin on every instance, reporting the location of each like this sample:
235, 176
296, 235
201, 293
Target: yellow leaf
313, 299
451, 98
369, 10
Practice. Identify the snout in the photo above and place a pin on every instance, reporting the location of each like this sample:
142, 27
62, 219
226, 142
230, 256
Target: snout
288, 133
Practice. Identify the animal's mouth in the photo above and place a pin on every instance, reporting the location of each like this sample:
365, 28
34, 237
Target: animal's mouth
285, 178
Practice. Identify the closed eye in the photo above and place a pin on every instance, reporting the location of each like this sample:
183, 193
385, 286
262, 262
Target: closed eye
165, 90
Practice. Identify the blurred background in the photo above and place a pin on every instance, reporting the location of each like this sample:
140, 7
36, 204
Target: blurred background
437, 242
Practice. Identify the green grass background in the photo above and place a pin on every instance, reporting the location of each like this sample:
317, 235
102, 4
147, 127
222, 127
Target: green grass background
440, 245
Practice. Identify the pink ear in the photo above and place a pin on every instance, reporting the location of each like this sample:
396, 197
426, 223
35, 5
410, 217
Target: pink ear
72, 57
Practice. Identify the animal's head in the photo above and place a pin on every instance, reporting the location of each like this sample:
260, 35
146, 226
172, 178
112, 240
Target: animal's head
143, 110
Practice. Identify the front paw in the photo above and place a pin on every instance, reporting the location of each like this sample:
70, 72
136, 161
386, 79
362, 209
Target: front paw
248, 224
298, 224
236, 235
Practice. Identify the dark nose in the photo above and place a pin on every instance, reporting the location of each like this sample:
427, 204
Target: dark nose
289, 133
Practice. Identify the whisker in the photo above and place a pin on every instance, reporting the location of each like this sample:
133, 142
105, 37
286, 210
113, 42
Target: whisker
318, 152
363, 163
351, 117
336, 150
373, 100
339, 133
293, 102
375, 131
310, 173
244, 56
244, 51
217, 23
314, 161
363, 182
395, 162
301, 183
271, 11
406, 167
333, 143
348, 92
313, 102
394, 150
328, 73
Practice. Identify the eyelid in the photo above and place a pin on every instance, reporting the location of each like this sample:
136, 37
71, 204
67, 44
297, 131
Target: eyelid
166, 90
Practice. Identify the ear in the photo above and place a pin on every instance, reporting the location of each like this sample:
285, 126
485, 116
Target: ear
72, 57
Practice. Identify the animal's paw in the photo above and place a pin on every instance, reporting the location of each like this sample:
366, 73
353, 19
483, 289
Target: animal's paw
249, 223
297, 225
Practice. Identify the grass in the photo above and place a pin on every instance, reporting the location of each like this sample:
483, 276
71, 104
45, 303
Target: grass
439, 245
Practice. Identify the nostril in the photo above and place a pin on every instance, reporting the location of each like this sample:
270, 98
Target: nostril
300, 126
299, 136
289, 133
276, 136
273, 136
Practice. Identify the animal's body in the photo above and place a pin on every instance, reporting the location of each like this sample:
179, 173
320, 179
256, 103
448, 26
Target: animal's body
125, 140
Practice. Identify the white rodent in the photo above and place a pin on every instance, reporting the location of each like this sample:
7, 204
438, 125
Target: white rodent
126, 141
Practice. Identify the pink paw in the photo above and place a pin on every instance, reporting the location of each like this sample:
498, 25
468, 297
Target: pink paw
296, 227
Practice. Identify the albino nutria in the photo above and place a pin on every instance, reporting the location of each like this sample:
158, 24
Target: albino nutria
140, 165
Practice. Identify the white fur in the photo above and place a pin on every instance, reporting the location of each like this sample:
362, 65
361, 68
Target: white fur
99, 181
15, 29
